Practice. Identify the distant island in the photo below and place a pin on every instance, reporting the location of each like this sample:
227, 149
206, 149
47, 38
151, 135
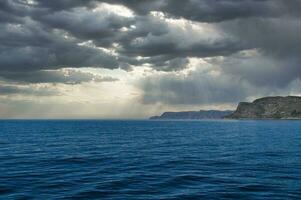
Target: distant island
202, 114
276, 107
269, 108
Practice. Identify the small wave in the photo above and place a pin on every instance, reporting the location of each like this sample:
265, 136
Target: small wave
255, 188
91, 194
6, 190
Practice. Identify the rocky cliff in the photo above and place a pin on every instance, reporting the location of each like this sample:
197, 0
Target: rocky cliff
269, 108
202, 114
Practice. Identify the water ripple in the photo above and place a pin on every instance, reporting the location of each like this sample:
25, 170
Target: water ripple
150, 160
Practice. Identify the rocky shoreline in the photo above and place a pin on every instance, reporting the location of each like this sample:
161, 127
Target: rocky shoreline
267, 108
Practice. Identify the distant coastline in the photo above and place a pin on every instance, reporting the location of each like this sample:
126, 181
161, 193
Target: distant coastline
274, 107
193, 115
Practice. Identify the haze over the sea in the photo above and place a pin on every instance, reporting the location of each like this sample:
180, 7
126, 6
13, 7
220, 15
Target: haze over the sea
135, 59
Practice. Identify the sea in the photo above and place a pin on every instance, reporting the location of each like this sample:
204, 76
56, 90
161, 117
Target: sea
132, 159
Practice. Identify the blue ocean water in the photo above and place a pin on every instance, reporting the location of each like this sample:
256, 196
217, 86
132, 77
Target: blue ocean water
150, 159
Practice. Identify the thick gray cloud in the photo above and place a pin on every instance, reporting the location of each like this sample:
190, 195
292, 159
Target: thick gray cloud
48, 34
66, 76
39, 38
29, 47
216, 10
100, 26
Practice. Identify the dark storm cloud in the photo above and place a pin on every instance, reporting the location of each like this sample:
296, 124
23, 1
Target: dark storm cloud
216, 10
278, 42
101, 26
66, 76
30, 46
46, 35
274, 36
165, 45
12, 11
41, 35
58, 5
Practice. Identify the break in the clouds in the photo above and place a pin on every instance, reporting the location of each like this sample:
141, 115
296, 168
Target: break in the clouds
166, 53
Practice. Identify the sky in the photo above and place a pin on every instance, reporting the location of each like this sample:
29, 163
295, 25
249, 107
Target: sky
131, 59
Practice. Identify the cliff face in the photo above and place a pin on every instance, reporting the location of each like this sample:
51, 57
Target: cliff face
202, 114
269, 108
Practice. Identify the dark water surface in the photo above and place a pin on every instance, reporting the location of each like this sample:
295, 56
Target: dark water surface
150, 160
